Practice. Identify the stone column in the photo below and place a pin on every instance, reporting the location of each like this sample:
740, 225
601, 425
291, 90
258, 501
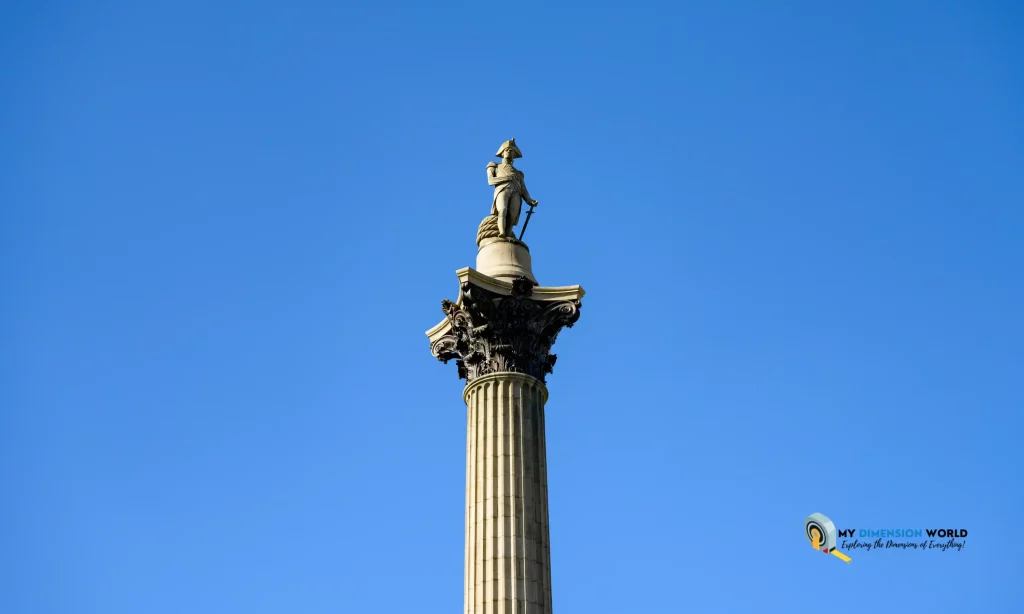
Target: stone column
500, 333
508, 552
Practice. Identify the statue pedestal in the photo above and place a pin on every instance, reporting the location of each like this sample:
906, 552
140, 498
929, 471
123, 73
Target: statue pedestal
504, 259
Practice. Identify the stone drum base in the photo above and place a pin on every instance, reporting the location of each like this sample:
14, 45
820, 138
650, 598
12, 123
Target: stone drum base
504, 259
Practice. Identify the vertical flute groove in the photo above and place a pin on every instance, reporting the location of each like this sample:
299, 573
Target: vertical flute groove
471, 501
499, 513
490, 595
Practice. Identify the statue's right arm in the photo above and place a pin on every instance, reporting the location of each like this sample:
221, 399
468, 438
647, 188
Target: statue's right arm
498, 180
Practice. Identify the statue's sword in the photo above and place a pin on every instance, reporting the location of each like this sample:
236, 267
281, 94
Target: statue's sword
526, 223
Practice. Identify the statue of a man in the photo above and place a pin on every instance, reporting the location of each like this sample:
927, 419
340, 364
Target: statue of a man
509, 188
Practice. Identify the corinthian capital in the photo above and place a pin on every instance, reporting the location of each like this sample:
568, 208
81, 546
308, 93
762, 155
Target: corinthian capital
490, 331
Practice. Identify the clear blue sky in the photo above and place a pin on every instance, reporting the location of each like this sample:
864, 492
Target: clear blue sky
226, 227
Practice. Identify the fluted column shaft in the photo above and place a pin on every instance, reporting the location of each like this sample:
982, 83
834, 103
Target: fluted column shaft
508, 554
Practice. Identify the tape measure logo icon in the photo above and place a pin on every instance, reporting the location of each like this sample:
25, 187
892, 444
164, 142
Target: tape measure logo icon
820, 531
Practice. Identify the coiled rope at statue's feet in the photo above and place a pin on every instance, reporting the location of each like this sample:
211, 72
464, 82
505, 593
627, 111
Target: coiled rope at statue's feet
488, 229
